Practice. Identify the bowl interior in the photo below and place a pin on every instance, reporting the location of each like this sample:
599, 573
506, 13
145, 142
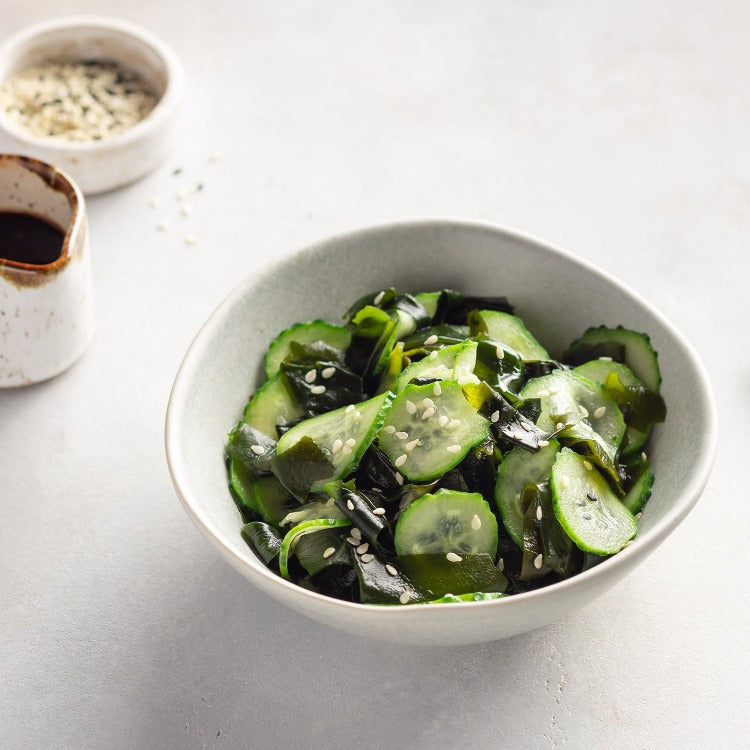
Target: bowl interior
557, 296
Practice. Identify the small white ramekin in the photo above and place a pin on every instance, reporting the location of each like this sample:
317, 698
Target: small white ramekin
112, 162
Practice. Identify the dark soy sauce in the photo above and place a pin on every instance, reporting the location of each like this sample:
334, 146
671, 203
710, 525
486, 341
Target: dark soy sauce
26, 238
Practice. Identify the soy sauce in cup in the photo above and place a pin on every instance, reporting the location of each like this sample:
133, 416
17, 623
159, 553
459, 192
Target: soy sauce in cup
26, 238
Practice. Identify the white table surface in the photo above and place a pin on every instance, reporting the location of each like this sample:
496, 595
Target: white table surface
615, 130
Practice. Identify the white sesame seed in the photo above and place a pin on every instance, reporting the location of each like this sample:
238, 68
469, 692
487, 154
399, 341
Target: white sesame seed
378, 512
587, 465
400, 461
600, 412
638, 516
453, 557
644, 457
357, 416
411, 407
163, 224
584, 411
538, 512
465, 380
328, 372
518, 435
356, 533
389, 429
526, 426
401, 435
186, 209
605, 359
544, 393
476, 522
257, 450
154, 202
350, 505
411, 445
399, 478
436, 389
378, 298
349, 409
430, 340
317, 389
346, 450
367, 558
354, 542
336, 447
351, 442
443, 420
310, 376
428, 412
455, 448
391, 570
559, 426
191, 239
501, 565
538, 562
495, 416
427, 403
329, 551
405, 598
499, 351
362, 548
432, 354
453, 423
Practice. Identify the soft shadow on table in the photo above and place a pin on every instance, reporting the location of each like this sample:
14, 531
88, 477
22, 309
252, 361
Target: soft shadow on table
236, 668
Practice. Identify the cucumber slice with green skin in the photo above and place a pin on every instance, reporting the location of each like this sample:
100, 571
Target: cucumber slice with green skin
337, 337
333, 445
638, 354
477, 596
571, 400
430, 429
448, 522
439, 365
586, 507
241, 486
428, 300
519, 469
509, 331
310, 512
640, 492
308, 527
272, 405
598, 371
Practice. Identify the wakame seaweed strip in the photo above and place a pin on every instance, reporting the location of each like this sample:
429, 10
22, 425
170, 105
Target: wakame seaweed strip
359, 508
454, 307
338, 387
263, 539
252, 447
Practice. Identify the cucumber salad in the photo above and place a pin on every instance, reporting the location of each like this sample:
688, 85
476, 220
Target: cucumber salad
430, 449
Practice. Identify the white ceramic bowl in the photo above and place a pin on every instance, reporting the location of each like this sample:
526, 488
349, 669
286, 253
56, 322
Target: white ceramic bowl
125, 157
557, 295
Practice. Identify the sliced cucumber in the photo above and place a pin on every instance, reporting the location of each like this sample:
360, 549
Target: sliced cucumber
430, 429
599, 370
428, 300
640, 492
311, 511
519, 469
447, 522
439, 364
583, 407
638, 354
337, 337
586, 507
272, 499
479, 596
328, 447
509, 331
272, 405
241, 481
308, 527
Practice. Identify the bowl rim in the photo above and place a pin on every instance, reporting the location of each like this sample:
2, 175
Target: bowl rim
641, 546
168, 101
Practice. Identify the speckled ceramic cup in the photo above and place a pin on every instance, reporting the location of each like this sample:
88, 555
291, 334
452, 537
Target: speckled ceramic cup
46, 311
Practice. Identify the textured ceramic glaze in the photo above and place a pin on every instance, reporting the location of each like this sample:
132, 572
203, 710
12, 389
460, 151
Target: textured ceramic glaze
46, 311
558, 297
111, 162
